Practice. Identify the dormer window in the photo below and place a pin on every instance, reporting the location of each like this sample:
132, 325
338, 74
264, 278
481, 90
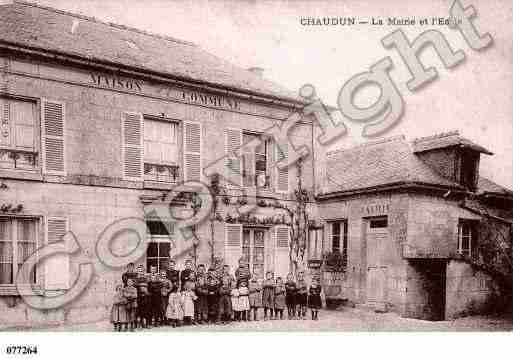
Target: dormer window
469, 169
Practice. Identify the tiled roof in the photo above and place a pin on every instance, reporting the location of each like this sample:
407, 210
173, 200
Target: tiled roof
486, 185
34, 26
444, 140
385, 162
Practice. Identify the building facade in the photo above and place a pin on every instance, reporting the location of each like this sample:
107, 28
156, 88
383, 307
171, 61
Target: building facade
418, 226
99, 123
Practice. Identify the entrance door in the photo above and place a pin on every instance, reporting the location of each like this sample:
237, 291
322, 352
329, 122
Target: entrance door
376, 237
253, 249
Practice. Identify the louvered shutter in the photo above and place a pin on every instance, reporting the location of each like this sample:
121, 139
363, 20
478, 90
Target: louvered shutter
233, 245
282, 175
281, 250
57, 266
192, 151
53, 139
5, 126
233, 162
24, 125
132, 144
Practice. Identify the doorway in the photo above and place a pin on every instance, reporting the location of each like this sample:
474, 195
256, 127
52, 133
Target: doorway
429, 287
376, 240
253, 249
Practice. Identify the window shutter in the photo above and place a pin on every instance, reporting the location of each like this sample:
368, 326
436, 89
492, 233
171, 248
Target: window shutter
5, 127
192, 151
281, 251
53, 139
282, 175
57, 267
233, 245
132, 143
233, 143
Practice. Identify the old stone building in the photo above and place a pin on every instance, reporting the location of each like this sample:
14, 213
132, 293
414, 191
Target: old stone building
98, 122
417, 226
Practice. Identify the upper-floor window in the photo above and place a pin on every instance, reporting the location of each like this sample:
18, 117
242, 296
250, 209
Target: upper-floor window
18, 135
315, 243
18, 240
255, 162
466, 236
469, 169
161, 150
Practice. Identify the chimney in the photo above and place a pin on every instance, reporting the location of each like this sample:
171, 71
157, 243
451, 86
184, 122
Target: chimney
257, 71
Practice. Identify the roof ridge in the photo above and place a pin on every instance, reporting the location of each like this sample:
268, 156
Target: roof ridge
368, 144
437, 135
111, 24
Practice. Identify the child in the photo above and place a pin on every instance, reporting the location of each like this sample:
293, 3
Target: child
244, 301
154, 288
290, 296
314, 298
225, 302
268, 295
130, 294
255, 297
118, 315
129, 274
201, 306
165, 290
235, 302
213, 298
188, 298
174, 310
143, 298
301, 295
279, 298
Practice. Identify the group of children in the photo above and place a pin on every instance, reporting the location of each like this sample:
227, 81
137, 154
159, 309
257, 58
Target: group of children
174, 297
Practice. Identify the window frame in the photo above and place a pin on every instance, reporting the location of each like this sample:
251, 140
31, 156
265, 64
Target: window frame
179, 166
472, 236
156, 239
252, 247
11, 288
343, 237
267, 145
37, 149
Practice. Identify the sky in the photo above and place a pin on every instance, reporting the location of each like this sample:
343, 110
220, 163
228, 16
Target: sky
475, 97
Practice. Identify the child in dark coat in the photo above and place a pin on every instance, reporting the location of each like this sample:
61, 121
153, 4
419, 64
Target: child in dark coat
290, 296
143, 298
255, 298
301, 295
314, 298
225, 301
155, 291
213, 299
268, 295
202, 301
130, 294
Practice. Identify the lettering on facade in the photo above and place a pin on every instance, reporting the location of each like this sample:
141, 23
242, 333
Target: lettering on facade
210, 100
116, 82
376, 209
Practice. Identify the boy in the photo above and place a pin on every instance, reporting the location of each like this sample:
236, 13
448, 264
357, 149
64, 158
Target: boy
226, 275
200, 272
242, 273
172, 274
143, 305
201, 306
225, 301
185, 275
130, 294
255, 298
301, 295
154, 289
164, 291
290, 296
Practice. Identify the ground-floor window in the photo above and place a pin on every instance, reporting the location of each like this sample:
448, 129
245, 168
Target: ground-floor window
466, 236
18, 240
159, 246
253, 249
338, 237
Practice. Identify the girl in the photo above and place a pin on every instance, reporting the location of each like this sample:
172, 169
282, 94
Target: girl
188, 298
268, 295
235, 302
301, 295
290, 296
118, 314
314, 298
279, 298
130, 294
174, 310
244, 300
255, 298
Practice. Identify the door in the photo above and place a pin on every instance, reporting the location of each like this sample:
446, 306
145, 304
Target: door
376, 237
253, 249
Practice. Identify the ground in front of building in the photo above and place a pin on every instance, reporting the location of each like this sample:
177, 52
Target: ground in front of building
347, 319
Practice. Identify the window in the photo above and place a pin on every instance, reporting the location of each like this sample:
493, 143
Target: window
159, 247
18, 240
466, 236
18, 134
161, 150
469, 170
378, 222
253, 249
339, 238
256, 162
315, 243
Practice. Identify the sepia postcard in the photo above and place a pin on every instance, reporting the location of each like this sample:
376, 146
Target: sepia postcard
246, 166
